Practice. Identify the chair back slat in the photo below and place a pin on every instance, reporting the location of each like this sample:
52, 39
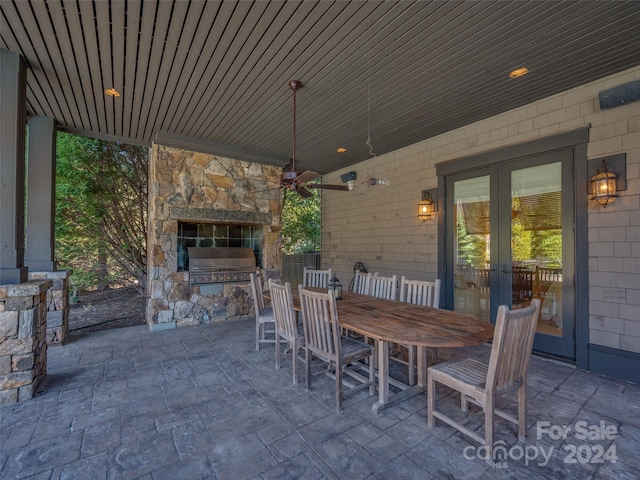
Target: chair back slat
256, 290
384, 287
420, 292
320, 322
316, 278
512, 345
283, 311
362, 283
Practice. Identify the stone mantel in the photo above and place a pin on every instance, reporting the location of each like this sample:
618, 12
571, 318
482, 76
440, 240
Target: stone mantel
218, 215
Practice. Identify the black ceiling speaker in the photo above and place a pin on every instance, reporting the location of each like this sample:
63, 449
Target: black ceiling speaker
620, 95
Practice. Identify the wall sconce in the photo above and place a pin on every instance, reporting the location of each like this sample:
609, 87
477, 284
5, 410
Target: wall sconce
605, 184
427, 206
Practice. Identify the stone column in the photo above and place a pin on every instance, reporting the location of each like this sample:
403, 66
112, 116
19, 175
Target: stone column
23, 346
57, 304
13, 85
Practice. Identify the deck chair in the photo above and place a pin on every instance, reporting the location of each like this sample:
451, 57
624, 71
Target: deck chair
481, 383
264, 315
383, 287
285, 322
361, 282
417, 292
323, 340
316, 278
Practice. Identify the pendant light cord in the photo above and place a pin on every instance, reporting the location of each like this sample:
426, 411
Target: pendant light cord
293, 158
368, 141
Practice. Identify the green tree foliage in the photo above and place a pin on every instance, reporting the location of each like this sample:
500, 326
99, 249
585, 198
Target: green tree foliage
300, 222
101, 211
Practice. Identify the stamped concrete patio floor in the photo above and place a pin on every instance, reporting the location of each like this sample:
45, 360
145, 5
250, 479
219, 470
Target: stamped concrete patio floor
200, 402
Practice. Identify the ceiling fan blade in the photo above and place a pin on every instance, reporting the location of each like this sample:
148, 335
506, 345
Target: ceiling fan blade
344, 188
307, 176
304, 193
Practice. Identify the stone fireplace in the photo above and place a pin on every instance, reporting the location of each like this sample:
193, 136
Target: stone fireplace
207, 194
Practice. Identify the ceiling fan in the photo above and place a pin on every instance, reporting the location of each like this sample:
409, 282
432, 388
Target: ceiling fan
290, 177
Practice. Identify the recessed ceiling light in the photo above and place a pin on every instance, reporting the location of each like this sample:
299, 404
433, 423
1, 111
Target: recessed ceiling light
341, 150
112, 92
518, 72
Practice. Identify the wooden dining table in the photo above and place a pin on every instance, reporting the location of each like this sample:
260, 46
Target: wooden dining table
389, 321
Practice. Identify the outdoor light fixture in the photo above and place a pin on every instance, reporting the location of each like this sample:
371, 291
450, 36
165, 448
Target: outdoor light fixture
372, 181
603, 185
112, 92
350, 179
336, 287
426, 206
341, 150
518, 72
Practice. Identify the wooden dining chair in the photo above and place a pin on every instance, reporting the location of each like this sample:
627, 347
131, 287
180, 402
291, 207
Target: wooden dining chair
383, 287
323, 340
481, 383
286, 323
362, 283
264, 315
417, 292
316, 278
420, 292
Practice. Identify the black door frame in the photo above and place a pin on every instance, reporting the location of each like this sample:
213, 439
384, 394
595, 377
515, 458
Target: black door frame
576, 140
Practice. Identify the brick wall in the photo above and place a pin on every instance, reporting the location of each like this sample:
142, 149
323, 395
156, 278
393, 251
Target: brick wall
379, 226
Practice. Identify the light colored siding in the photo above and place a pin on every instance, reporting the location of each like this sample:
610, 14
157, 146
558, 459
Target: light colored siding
379, 226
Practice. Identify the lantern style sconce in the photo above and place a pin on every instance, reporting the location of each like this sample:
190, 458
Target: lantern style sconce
605, 184
336, 287
427, 206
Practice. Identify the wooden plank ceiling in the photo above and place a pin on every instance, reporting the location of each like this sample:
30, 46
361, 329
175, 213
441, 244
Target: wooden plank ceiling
396, 72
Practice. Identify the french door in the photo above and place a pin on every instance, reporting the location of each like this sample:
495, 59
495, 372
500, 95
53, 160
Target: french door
510, 239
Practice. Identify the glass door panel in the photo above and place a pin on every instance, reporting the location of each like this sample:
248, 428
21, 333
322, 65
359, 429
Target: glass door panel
472, 242
510, 239
536, 242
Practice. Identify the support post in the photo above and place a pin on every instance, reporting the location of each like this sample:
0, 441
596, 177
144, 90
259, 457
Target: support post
41, 195
13, 85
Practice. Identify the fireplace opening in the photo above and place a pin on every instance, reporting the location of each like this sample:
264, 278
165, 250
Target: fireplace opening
218, 235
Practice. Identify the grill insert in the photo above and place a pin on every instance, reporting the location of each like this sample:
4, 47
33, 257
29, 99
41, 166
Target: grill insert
220, 264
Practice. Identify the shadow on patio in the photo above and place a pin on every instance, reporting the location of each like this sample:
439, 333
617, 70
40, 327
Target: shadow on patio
200, 402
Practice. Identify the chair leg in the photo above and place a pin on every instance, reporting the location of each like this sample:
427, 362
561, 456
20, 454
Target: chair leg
522, 412
338, 386
411, 365
257, 334
307, 362
489, 410
464, 405
277, 350
431, 399
294, 354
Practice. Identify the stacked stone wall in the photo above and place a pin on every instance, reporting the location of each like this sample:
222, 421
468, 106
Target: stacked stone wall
57, 304
195, 187
23, 345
